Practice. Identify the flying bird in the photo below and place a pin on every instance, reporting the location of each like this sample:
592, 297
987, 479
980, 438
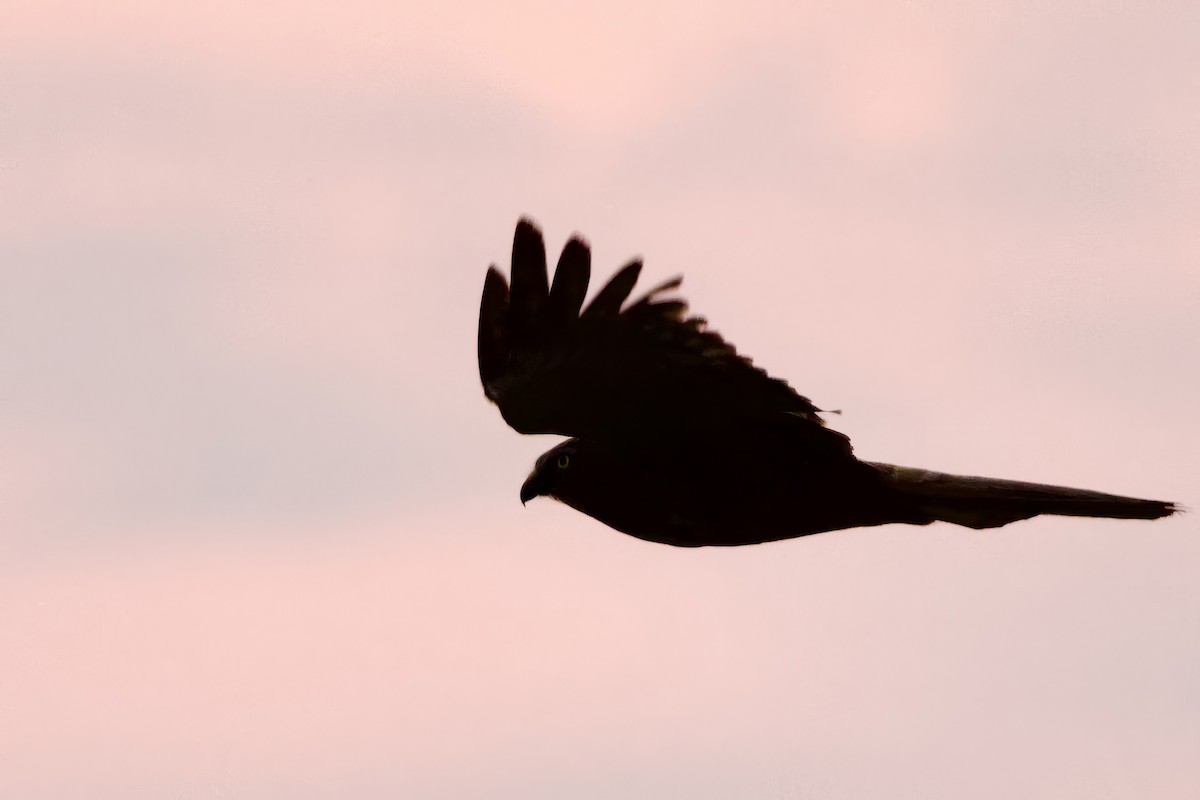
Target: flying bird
678, 439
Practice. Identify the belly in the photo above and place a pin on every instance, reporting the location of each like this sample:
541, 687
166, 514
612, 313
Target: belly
730, 504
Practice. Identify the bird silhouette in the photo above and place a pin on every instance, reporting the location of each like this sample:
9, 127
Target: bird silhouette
678, 439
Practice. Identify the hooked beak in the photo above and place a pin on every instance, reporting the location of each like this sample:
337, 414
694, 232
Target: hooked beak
533, 487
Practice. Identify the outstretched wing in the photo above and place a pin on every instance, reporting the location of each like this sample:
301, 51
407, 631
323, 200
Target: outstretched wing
613, 373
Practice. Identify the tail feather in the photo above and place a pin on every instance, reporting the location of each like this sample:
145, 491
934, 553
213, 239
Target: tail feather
990, 502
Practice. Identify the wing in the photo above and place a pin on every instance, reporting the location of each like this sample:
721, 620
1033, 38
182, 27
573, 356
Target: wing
645, 370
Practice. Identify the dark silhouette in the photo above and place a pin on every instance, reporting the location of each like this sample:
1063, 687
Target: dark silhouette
680, 440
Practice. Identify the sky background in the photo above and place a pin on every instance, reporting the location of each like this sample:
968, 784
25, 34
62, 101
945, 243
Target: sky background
259, 529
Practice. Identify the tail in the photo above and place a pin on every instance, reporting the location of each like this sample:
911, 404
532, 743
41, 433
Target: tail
990, 503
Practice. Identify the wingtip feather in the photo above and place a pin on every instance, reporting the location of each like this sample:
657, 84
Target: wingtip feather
493, 328
608, 301
530, 285
571, 278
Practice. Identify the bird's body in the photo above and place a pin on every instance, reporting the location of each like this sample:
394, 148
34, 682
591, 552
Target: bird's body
678, 439
721, 492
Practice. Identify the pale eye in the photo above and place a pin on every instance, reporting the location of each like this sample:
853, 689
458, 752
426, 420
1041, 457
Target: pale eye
564, 461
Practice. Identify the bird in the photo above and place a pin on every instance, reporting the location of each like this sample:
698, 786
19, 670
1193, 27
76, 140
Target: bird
676, 438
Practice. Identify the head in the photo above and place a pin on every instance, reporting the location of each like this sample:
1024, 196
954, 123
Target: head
621, 489
552, 472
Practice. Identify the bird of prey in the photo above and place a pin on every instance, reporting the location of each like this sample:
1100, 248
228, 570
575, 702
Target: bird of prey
678, 439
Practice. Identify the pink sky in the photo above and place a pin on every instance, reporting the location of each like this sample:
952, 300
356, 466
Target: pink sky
261, 535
